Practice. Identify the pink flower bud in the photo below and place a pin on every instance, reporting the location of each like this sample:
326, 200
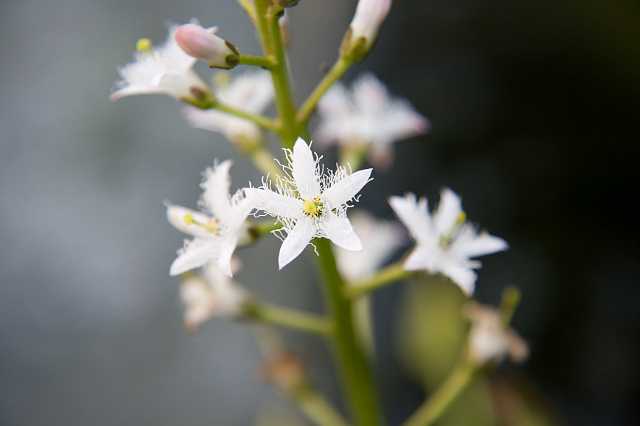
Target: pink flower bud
369, 16
204, 44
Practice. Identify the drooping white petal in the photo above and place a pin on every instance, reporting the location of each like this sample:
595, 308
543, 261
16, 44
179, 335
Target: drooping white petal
460, 274
180, 218
414, 215
215, 195
340, 232
448, 212
273, 203
347, 188
195, 254
304, 170
297, 239
226, 248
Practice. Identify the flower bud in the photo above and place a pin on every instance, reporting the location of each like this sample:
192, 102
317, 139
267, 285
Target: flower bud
364, 27
204, 44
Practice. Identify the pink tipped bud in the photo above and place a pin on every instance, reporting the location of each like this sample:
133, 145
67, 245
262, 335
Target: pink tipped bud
369, 16
204, 44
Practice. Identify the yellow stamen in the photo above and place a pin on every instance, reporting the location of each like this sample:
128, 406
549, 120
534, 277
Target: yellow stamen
144, 45
313, 207
188, 219
462, 217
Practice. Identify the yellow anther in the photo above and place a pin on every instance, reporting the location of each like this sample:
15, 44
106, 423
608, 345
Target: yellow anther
144, 45
188, 219
462, 217
313, 207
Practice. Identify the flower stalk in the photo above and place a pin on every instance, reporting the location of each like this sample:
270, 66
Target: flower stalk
289, 318
389, 275
353, 363
337, 71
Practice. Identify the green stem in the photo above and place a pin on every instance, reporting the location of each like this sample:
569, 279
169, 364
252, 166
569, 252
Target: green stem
316, 407
337, 71
353, 363
271, 36
258, 61
261, 121
386, 276
275, 315
436, 405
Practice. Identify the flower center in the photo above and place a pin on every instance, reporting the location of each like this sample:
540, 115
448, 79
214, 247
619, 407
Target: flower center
212, 225
447, 239
313, 207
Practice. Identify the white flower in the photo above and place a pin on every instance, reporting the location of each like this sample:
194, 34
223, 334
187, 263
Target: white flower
203, 43
490, 339
382, 238
216, 232
311, 202
445, 242
367, 20
368, 116
163, 70
211, 295
251, 92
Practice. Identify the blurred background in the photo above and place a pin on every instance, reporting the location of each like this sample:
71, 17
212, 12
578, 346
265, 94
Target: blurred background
534, 106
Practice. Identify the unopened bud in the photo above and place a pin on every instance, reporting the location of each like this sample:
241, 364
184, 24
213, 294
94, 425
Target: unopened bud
204, 44
364, 27
285, 371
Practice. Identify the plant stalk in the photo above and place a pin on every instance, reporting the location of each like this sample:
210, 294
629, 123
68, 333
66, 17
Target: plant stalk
353, 363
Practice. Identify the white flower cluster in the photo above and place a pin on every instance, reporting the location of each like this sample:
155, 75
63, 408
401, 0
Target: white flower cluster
307, 200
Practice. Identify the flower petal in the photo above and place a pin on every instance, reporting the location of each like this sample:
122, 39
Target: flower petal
480, 245
448, 211
414, 215
419, 259
303, 169
296, 241
216, 191
195, 254
347, 188
225, 251
273, 203
460, 274
178, 217
341, 233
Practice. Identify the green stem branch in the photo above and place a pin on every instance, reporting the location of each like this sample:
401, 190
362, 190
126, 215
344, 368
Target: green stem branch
275, 315
433, 408
257, 61
353, 363
315, 407
337, 71
386, 276
260, 120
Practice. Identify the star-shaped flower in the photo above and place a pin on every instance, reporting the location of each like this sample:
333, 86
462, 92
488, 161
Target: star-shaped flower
217, 231
311, 202
490, 339
210, 295
369, 118
251, 92
445, 242
166, 69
